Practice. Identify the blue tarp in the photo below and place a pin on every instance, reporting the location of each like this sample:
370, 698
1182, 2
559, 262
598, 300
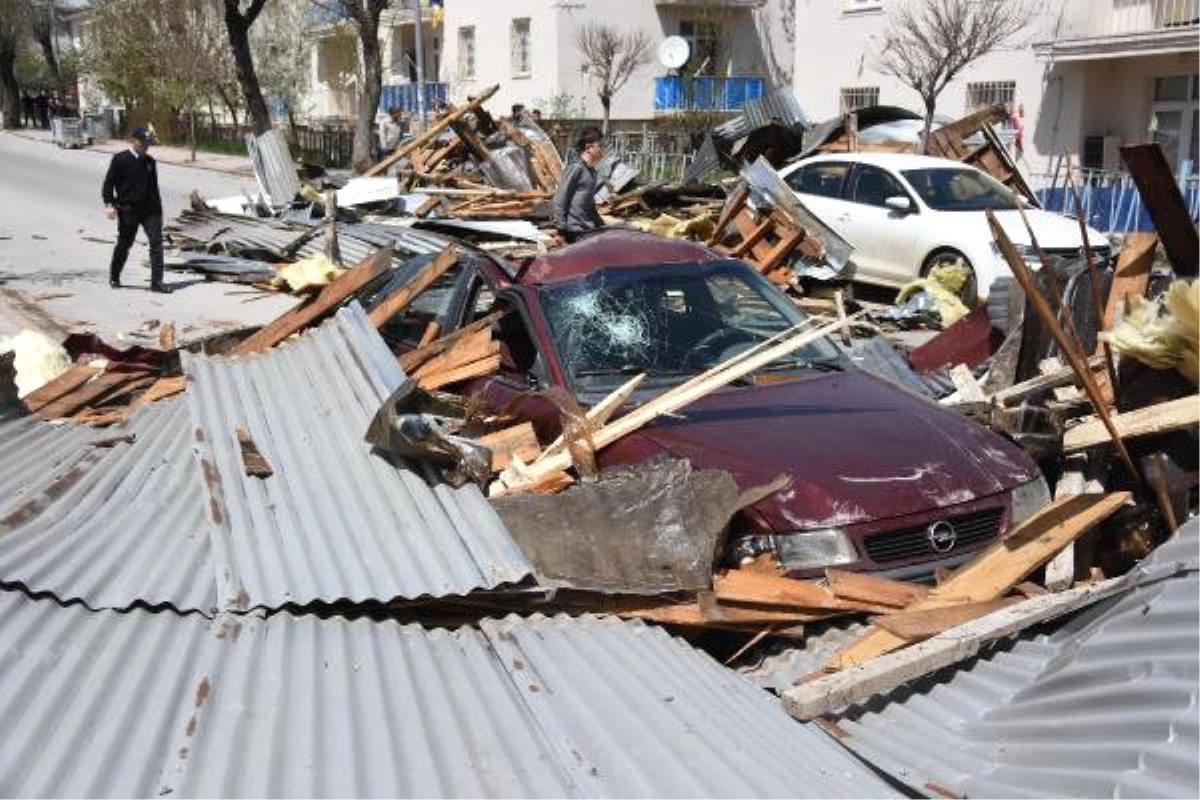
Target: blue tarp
678, 93
404, 97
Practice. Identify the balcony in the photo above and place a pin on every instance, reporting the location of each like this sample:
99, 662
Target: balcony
1119, 28
404, 96
676, 93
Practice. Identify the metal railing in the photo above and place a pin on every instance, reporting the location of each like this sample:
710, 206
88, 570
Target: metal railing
1126, 17
680, 93
404, 96
1110, 200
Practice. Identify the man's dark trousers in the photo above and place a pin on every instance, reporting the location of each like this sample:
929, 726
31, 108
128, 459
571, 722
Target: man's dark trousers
128, 222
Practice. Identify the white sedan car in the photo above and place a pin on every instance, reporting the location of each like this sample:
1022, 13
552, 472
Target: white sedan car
905, 214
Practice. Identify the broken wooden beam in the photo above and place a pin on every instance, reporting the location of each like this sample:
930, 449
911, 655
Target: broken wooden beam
997, 569
432, 132
399, 300
830, 692
254, 462
311, 311
1168, 211
1183, 412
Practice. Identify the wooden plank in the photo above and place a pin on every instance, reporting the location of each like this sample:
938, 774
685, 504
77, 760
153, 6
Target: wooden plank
519, 440
965, 383
859, 683
1183, 412
1000, 567
75, 376
166, 337
478, 345
600, 413
411, 360
874, 589
91, 392
253, 461
399, 300
1168, 210
1131, 276
474, 369
915, 625
1040, 383
714, 610
733, 207
309, 312
740, 586
432, 132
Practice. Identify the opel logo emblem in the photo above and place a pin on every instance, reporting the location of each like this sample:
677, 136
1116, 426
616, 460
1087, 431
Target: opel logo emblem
941, 536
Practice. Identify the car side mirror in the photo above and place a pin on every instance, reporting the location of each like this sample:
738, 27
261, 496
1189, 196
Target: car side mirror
899, 203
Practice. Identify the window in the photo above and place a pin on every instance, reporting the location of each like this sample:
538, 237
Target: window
856, 97
824, 179
702, 42
520, 40
872, 185
1175, 118
990, 93
466, 52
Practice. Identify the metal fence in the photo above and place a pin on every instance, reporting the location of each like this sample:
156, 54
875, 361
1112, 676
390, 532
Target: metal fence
1110, 200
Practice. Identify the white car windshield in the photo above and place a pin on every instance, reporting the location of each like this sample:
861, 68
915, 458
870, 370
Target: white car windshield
960, 190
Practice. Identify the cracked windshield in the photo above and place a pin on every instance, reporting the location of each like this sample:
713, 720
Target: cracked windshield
670, 322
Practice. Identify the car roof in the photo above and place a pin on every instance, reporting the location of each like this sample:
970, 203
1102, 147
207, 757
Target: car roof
614, 248
895, 161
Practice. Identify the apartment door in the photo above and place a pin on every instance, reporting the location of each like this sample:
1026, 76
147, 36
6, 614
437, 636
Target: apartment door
1175, 118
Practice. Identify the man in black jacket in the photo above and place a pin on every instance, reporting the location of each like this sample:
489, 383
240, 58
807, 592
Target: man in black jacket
131, 197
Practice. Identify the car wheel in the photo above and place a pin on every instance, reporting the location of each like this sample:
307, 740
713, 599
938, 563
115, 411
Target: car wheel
970, 290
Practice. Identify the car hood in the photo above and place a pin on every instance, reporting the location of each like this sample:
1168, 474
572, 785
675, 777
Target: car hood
855, 448
1053, 231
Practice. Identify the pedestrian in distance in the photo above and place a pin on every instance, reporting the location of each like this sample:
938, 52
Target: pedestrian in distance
28, 110
574, 208
131, 197
391, 131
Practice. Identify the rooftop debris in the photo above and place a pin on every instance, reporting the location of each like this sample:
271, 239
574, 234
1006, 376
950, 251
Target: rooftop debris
366, 440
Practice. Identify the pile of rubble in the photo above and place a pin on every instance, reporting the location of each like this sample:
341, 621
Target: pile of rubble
1097, 383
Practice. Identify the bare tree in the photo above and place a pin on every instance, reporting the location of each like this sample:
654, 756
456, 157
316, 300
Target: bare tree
282, 67
43, 23
12, 27
611, 57
929, 42
237, 27
364, 15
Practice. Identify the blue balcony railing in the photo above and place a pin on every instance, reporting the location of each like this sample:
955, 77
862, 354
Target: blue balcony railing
679, 93
404, 96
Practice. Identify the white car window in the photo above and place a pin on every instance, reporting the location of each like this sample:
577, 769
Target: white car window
871, 186
960, 190
824, 179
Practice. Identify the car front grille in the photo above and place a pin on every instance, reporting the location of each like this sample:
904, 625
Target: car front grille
1100, 253
969, 529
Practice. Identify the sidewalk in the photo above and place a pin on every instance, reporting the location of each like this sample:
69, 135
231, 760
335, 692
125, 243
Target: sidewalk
165, 154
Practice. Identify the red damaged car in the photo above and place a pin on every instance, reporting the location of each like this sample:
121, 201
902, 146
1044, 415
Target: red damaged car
882, 480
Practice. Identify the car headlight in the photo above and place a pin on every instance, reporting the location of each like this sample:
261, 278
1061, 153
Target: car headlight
825, 547
1028, 499
1027, 252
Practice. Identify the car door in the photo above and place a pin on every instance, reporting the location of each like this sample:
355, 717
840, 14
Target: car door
884, 238
819, 185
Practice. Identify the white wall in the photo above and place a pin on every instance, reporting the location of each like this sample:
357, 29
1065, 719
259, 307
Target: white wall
838, 43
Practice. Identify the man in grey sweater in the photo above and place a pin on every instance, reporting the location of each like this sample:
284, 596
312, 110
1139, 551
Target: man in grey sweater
574, 210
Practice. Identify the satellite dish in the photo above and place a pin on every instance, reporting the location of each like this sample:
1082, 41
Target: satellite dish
673, 52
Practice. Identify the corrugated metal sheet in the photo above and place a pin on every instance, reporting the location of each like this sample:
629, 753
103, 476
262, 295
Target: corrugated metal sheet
334, 521
141, 704
113, 525
1103, 706
777, 106
782, 667
273, 166
213, 231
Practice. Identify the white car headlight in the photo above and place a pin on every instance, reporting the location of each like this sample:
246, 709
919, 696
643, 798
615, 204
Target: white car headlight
1028, 499
825, 547
1027, 253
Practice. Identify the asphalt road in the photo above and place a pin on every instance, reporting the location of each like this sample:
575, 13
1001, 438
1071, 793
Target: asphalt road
55, 244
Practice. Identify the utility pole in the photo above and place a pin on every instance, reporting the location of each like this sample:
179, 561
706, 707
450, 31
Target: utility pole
421, 110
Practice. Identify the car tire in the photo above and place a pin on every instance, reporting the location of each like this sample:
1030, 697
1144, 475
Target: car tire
970, 291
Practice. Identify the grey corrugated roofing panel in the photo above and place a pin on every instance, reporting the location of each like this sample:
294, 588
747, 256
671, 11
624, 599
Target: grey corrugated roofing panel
1105, 705
234, 233
113, 525
334, 521
776, 106
358, 241
141, 704
273, 166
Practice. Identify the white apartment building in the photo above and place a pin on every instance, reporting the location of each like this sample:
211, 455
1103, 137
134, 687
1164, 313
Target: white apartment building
736, 48
1091, 75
